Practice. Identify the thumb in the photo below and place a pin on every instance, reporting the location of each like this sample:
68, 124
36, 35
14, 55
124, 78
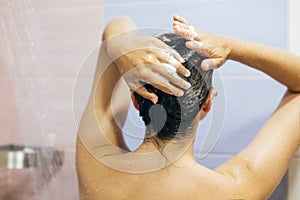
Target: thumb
146, 94
211, 63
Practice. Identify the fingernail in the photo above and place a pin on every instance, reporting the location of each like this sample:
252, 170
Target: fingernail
205, 65
154, 99
187, 73
214, 94
176, 16
181, 93
187, 85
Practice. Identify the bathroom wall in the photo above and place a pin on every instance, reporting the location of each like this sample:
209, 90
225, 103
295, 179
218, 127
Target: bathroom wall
7, 116
294, 46
65, 31
70, 29
250, 96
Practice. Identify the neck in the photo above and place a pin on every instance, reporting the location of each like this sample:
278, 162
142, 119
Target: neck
178, 145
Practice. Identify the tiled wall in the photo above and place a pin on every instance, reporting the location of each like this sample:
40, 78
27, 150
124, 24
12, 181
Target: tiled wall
250, 96
294, 46
65, 31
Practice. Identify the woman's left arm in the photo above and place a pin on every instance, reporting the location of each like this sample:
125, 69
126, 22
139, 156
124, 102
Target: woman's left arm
144, 59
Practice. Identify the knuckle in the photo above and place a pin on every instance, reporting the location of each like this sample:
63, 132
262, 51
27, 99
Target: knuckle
148, 50
149, 58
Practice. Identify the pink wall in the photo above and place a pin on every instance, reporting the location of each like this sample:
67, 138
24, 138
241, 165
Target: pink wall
7, 109
66, 31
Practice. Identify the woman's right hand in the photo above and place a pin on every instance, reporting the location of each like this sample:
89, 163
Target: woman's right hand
206, 44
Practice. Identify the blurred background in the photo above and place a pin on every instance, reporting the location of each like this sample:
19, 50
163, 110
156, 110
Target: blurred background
42, 46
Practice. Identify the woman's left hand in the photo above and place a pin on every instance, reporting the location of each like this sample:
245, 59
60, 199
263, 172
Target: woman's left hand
145, 59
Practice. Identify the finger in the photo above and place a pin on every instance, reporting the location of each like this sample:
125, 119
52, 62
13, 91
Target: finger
188, 33
178, 30
212, 63
163, 84
146, 94
172, 52
180, 19
191, 30
184, 71
172, 61
159, 44
157, 80
186, 30
169, 89
182, 25
164, 47
173, 77
141, 90
177, 56
199, 47
213, 93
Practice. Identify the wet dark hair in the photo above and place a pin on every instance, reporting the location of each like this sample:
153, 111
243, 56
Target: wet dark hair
173, 115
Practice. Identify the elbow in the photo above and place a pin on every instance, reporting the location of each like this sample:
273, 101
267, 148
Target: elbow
118, 25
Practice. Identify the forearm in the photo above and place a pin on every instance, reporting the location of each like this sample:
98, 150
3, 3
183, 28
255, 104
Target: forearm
279, 64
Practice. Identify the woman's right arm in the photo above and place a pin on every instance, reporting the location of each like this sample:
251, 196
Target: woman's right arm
258, 169
279, 64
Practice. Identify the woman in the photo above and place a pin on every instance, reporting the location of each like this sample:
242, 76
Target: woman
252, 174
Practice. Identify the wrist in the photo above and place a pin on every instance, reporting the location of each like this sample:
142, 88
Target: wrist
231, 46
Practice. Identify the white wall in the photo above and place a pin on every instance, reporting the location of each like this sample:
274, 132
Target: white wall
294, 46
294, 27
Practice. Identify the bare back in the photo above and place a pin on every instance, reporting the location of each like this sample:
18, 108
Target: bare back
243, 177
